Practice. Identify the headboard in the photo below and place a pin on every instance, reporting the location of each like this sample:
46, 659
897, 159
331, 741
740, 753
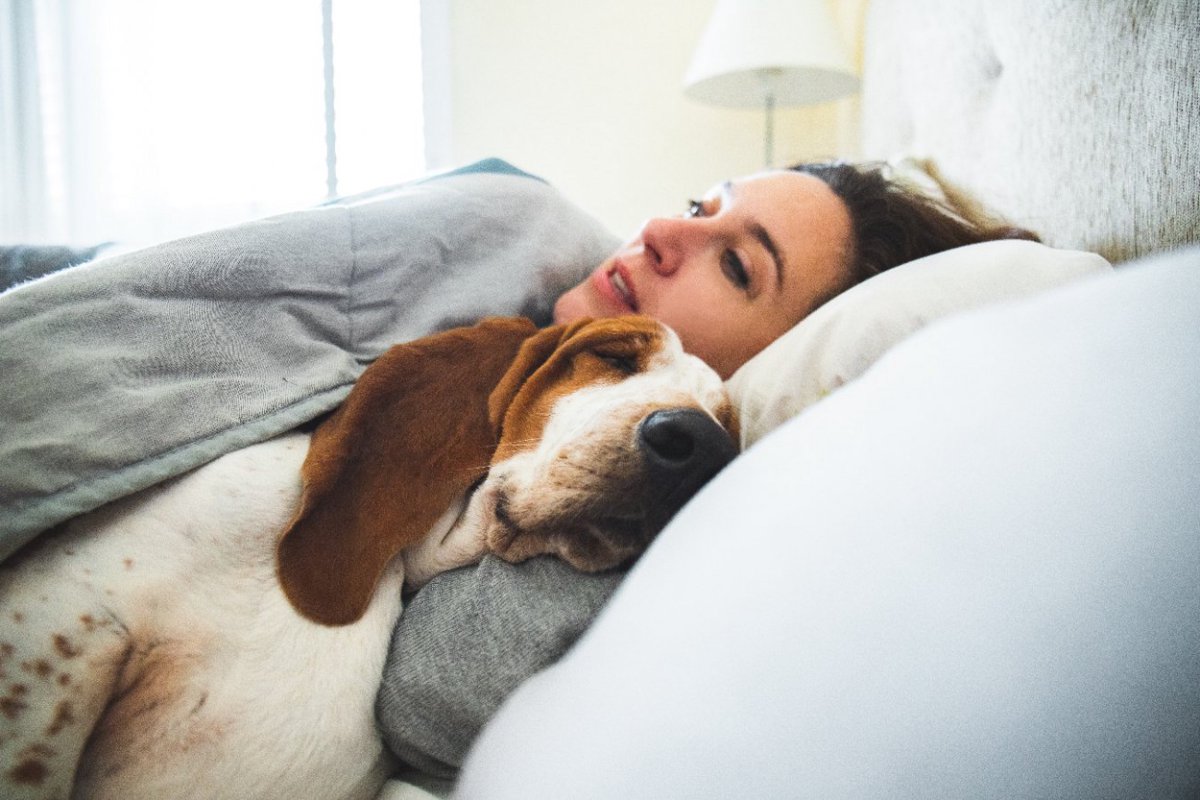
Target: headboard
1078, 119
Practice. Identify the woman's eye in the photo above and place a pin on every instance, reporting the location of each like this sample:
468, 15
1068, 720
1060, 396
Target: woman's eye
694, 209
735, 270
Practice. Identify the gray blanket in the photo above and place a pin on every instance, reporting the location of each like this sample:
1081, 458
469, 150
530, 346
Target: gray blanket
125, 371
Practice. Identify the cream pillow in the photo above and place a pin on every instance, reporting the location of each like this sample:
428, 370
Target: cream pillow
841, 339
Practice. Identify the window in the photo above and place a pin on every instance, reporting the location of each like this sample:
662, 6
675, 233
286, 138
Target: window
136, 121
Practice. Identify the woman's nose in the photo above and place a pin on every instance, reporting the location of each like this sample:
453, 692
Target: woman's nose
670, 241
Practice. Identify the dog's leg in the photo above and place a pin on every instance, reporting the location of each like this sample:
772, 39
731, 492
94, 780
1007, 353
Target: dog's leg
61, 653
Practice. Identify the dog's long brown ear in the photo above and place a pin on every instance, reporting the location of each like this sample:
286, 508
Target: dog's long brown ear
413, 435
534, 352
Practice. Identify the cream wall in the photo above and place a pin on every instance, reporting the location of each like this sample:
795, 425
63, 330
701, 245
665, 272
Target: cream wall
589, 95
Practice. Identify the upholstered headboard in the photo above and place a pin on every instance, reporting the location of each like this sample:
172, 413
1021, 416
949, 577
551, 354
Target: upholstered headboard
1079, 119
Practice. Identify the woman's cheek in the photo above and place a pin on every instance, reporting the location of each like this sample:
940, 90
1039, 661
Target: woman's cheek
572, 305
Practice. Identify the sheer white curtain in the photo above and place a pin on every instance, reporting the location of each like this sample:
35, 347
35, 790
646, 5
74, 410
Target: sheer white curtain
137, 120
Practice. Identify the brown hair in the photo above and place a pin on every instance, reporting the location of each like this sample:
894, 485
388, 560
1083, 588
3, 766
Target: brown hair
892, 223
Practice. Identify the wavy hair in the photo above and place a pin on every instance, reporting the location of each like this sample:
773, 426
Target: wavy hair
893, 223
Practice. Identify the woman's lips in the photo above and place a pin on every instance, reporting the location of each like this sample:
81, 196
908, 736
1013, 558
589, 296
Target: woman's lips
614, 285
621, 284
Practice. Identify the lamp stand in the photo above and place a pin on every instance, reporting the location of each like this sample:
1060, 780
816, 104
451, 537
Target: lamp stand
769, 132
762, 54
767, 78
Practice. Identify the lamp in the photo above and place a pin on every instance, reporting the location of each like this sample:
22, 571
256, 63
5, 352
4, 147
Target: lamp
764, 53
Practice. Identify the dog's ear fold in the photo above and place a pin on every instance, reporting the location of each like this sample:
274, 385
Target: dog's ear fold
548, 367
414, 434
534, 352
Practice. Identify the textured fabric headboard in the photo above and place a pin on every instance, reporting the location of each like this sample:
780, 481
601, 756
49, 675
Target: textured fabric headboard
1079, 119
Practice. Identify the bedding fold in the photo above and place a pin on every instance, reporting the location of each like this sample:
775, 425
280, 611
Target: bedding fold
129, 370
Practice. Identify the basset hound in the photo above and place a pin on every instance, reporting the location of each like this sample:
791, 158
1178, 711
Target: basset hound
223, 634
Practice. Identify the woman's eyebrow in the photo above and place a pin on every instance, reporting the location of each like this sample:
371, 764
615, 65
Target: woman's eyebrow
764, 238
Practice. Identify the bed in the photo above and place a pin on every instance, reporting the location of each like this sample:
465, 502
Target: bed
966, 564
960, 555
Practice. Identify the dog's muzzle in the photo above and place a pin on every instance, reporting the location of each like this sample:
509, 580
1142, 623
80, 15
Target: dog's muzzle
683, 448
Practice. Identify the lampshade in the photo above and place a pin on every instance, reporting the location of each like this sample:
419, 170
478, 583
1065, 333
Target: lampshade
786, 52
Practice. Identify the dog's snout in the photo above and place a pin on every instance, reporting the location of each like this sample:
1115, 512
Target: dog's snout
684, 448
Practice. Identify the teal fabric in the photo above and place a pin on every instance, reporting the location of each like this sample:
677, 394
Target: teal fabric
496, 166
129, 370
25, 262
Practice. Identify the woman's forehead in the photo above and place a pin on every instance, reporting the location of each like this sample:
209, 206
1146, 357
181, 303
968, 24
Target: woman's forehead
809, 223
780, 185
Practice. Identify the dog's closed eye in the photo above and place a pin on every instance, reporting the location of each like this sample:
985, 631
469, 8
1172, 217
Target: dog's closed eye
612, 460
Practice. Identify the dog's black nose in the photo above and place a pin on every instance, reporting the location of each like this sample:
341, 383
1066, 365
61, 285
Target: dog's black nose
683, 448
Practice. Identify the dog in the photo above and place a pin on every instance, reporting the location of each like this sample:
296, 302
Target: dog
223, 634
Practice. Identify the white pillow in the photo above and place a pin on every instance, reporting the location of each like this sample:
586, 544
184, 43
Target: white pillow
840, 340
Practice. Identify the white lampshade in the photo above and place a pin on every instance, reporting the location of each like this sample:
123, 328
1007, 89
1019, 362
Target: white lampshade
785, 52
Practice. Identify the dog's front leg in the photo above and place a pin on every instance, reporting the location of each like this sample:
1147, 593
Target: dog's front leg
456, 540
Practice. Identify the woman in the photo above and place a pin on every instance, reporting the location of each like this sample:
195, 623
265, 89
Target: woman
755, 256
739, 268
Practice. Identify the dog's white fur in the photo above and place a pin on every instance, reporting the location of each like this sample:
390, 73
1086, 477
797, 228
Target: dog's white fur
147, 650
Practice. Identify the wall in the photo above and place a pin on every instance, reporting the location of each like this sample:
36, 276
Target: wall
589, 96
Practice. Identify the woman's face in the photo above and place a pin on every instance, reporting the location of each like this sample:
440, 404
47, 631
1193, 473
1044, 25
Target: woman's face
733, 273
